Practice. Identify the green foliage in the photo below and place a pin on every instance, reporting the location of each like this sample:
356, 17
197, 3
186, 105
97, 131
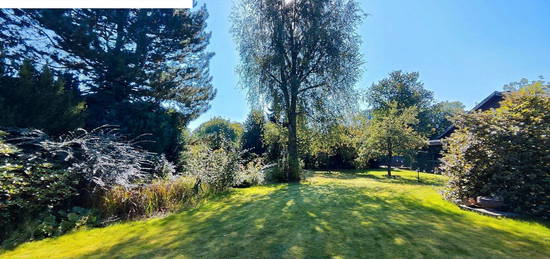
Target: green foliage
251, 173
35, 99
275, 138
333, 146
406, 90
127, 55
403, 89
391, 133
29, 185
207, 172
49, 224
219, 130
221, 168
440, 116
159, 129
144, 70
524, 82
324, 147
299, 57
42, 174
99, 158
161, 196
504, 153
252, 140
216, 168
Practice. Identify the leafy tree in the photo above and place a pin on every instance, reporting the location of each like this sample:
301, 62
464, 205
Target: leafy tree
122, 58
299, 57
253, 131
524, 82
503, 152
405, 90
219, 130
331, 146
440, 115
36, 99
391, 133
274, 138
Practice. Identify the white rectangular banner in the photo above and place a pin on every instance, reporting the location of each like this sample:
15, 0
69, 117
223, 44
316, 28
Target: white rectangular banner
96, 3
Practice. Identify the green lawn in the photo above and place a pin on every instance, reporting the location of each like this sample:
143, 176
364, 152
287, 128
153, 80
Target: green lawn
338, 215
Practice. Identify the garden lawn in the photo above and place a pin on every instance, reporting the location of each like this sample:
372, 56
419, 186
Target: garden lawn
340, 215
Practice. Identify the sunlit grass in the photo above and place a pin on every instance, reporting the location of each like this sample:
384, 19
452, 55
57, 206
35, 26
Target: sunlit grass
339, 214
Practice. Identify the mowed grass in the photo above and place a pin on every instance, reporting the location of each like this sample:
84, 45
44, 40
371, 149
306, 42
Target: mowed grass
339, 215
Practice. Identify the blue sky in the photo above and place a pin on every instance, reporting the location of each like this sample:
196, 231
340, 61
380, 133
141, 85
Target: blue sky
463, 50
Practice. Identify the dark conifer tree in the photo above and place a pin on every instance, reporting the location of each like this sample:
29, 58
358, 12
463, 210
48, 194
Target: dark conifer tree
253, 132
36, 99
145, 70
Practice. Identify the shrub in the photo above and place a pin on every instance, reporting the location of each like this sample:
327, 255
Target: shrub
273, 173
49, 223
251, 173
161, 167
214, 167
29, 185
38, 174
160, 196
504, 153
100, 157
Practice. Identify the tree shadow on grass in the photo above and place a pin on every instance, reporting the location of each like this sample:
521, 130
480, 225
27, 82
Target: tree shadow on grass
320, 221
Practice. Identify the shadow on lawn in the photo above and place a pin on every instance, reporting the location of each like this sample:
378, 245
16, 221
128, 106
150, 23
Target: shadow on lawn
323, 221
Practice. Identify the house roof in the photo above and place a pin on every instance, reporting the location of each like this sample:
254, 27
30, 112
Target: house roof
490, 102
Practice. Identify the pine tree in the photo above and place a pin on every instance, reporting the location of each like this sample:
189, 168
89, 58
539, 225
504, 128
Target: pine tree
36, 99
145, 70
253, 132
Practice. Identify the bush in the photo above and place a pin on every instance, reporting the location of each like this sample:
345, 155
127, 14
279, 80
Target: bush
503, 153
38, 174
101, 157
214, 167
160, 196
251, 173
161, 167
30, 185
273, 173
49, 223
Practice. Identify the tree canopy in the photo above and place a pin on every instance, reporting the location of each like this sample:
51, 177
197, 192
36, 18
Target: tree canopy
440, 116
524, 82
405, 90
219, 130
391, 132
35, 99
134, 66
